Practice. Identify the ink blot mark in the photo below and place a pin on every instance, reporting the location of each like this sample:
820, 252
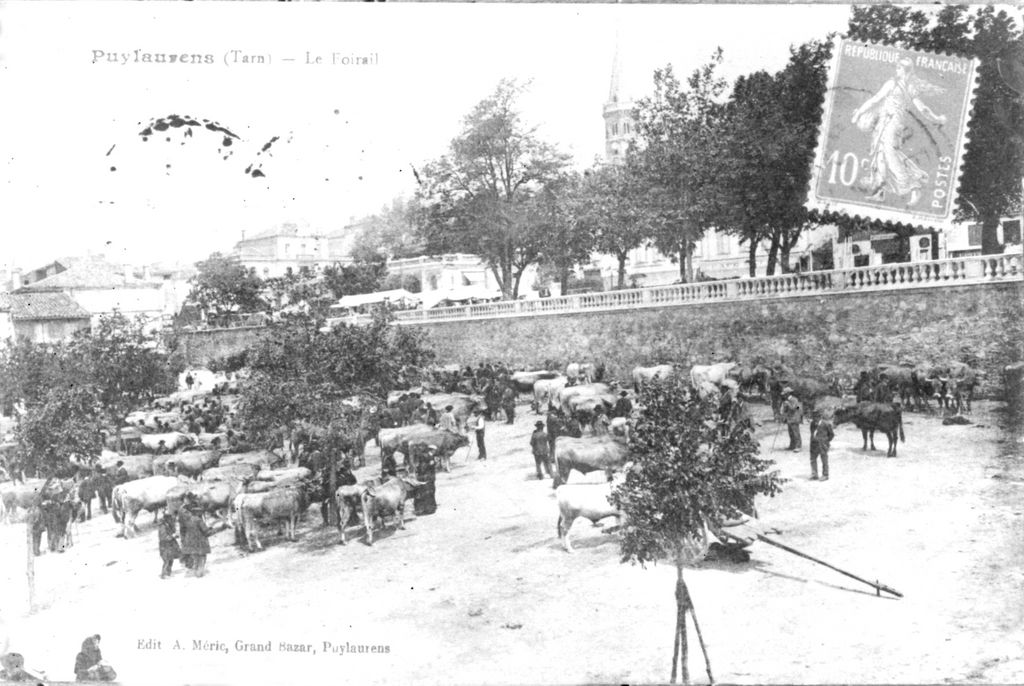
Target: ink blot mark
111, 149
257, 173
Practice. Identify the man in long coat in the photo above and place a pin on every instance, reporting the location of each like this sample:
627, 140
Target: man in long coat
168, 541
194, 533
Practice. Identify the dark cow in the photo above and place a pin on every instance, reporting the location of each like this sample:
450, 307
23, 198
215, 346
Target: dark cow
587, 455
871, 416
445, 441
388, 498
523, 381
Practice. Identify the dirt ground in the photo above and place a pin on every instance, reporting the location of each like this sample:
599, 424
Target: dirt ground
482, 592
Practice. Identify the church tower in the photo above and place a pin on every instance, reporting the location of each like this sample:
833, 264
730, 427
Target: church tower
618, 115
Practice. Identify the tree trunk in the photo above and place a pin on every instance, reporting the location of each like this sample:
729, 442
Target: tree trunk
784, 267
990, 244
565, 280
752, 257
30, 562
515, 283
622, 269
332, 505
682, 264
681, 650
773, 255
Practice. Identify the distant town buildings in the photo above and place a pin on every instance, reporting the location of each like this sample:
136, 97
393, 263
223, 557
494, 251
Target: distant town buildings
272, 253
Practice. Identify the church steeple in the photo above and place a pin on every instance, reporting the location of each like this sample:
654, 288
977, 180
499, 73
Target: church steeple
618, 113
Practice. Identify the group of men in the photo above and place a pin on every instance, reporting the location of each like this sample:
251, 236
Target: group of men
194, 545
822, 432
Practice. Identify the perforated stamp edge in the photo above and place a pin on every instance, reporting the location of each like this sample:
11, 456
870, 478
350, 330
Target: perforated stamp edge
860, 212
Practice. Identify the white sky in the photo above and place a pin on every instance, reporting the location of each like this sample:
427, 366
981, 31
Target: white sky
60, 114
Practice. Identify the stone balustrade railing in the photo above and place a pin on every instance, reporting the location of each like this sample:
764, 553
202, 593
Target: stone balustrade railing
903, 275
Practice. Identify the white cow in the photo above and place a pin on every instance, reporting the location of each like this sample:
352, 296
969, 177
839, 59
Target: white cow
131, 498
590, 501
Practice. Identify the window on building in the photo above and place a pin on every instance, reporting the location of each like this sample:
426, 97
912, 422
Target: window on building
723, 246
974, 234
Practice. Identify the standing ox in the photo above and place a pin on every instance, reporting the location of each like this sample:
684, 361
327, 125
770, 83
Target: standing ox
642, 375
581, 372
445, 442
590, 501
280, 505
526, 381
710, 373
350, 506
871, 416
544, 391
131, 498
587, 455
388, 498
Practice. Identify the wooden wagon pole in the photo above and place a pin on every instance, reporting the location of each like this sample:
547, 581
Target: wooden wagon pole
875, 584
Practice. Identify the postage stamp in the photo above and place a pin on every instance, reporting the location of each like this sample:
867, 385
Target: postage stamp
892, 136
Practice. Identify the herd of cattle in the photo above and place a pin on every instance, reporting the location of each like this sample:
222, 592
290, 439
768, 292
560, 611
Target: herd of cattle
249, 489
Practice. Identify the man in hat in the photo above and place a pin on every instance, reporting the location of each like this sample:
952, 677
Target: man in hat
540, 448
508, 404
599, 424
821, 437
793, 415
194, 535
623, 406
120, 473
168, 544
477, 423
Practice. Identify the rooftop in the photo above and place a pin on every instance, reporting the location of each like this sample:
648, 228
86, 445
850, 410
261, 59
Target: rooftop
36, 305
289, 229
86, 272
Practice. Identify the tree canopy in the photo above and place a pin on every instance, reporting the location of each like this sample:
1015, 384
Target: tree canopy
676, 155
475, 198
224, 286
299, 373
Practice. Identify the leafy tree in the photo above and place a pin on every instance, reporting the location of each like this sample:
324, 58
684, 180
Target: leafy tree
224, 286
122, 363
994, 159
390, 233
301, 374
677, 134
566, 240
352, 279
688, 468
767, 140
474, 199
409, 282
66, 422
27, 370
612, 208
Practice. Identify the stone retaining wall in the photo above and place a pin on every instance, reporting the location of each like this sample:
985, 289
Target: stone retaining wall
841, 333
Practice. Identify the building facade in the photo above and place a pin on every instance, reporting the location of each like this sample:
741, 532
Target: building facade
288, 247
96, 286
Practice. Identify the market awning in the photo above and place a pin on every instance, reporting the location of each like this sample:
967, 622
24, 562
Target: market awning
396, 295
